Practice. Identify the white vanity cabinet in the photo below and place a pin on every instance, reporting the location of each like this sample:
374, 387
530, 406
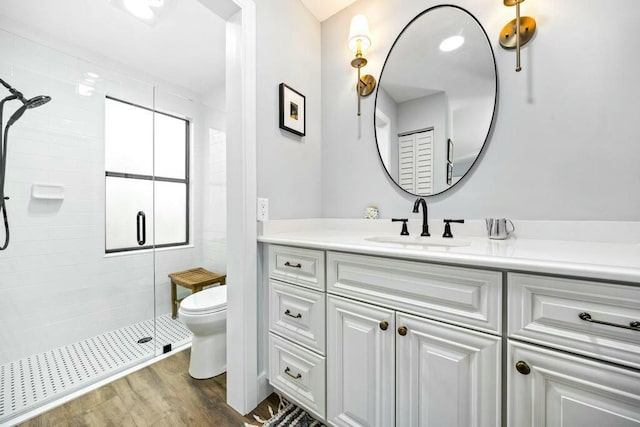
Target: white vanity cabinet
368, 340
386, 367
297, 312
549, 387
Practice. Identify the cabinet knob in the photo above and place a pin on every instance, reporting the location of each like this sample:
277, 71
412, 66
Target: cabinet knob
523, 368
384, 325
402, 330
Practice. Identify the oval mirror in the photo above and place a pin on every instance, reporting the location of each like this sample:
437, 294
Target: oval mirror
435, 101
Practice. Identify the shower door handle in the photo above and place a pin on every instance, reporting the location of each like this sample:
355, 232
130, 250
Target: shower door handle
141, 225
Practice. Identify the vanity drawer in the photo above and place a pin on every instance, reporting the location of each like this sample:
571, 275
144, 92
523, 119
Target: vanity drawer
304, 267
298, 314
547, 310
299, 374
463, 296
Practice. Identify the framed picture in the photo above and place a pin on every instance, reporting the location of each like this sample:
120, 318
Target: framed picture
449, 173
292, 110
450, 151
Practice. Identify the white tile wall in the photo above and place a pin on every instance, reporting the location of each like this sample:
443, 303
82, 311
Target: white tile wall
214, 208
56, 284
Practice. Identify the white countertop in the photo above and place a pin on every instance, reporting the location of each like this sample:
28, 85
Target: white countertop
617, 261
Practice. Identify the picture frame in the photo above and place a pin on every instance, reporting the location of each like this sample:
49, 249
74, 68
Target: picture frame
450, 151
293, 117
449, 173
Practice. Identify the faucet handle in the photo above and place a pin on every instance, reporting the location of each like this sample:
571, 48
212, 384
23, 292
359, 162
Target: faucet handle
447, 226
404, 231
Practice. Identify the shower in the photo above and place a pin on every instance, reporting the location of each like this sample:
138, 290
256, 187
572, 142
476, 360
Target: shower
4, 136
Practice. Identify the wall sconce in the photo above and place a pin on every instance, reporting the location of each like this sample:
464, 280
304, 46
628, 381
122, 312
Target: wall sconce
517, 32
359, 41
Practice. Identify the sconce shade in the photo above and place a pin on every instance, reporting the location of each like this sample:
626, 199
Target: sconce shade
359, 30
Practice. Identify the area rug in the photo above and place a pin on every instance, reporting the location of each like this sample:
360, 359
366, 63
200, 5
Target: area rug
288, 415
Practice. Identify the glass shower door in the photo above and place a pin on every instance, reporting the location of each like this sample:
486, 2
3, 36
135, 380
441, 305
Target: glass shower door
129, 206
77, 278
174, 202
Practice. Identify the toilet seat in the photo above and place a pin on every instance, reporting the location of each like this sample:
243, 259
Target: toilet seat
210, 300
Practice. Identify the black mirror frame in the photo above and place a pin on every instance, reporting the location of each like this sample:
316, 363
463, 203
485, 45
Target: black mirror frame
493, 113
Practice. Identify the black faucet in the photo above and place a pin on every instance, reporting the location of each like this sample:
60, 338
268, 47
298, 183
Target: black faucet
404, 231
447, 226
425, 225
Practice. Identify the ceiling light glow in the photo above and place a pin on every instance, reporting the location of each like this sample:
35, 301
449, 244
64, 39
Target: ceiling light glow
139, 8
451, 43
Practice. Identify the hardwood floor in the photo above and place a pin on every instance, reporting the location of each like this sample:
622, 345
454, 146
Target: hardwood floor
162, 394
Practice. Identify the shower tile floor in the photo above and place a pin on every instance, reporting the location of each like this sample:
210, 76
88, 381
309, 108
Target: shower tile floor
38, 379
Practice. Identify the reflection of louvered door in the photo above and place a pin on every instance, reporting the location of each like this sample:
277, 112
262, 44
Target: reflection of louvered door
415, 167
424, 162
406, 166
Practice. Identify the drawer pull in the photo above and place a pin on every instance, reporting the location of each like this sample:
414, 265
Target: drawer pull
634, 326
295, 377
523, 368
402, 330
288, 313
288, 264
384, 325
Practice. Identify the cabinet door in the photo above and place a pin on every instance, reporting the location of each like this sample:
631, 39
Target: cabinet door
569, 391
360, 364
446, 375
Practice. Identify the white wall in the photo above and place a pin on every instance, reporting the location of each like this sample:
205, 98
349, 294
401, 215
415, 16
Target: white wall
58, 286
388, 106
210, 162
212, 239
289, 166
565, 141
469, 116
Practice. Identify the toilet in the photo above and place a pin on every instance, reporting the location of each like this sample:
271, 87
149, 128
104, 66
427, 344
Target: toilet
205, 314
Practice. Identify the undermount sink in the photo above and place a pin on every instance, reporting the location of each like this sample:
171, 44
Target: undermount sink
419, 241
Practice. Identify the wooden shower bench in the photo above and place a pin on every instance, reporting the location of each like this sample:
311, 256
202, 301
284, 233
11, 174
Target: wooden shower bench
194, 279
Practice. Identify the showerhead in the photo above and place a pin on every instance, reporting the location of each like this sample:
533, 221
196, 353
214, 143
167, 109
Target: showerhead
28, 104
37, 101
